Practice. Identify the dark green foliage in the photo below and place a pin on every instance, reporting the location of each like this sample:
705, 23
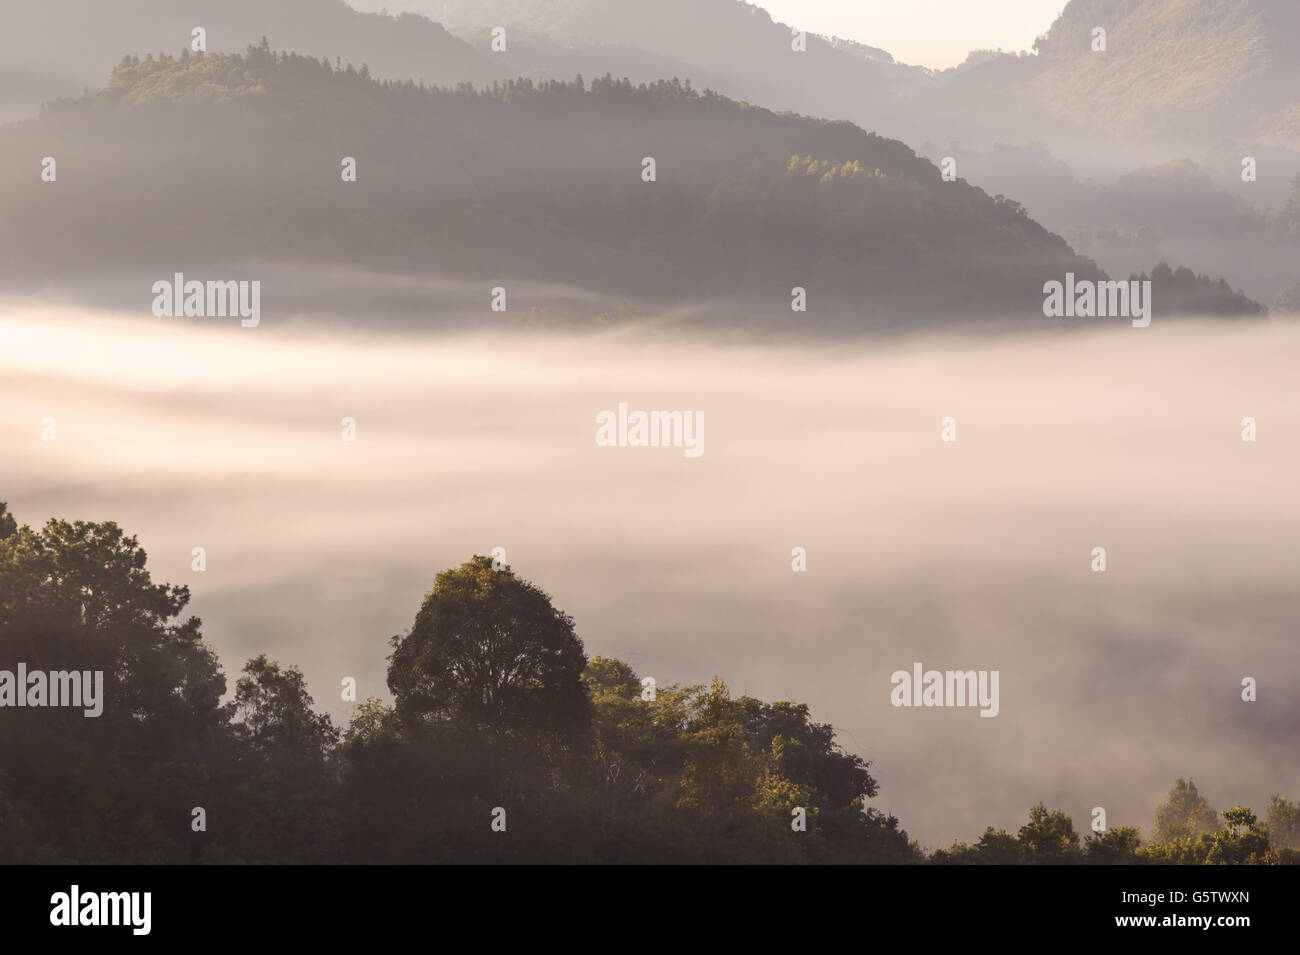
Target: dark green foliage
1118, 846
496, 706
117, 788
490, 653
1048, 837
1187, 832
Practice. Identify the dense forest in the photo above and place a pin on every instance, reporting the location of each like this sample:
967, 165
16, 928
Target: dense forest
53, 48
504, 741
220, 162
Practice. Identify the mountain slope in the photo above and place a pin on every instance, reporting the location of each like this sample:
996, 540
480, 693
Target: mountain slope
183, 165
733, 47
1183, 70
53, 48
1188, 72
1176, 68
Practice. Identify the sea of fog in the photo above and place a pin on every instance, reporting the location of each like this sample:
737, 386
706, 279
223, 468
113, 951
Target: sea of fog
971, 554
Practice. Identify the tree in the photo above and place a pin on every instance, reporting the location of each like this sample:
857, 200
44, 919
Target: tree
1118, 846
489, 651
1048, 837
1178, 851
368, 722
997, 847
76, 596
683, 774
275, 715
720, 771
280, 808
637, 744
1241, 840
1283, 823
806, 752
1184, 814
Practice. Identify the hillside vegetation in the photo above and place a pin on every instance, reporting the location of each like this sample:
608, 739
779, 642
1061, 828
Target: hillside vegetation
187, 163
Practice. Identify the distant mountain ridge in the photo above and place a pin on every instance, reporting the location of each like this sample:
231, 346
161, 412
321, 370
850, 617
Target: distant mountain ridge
745, 49
1207, 80
52, 48
1185, 71
1180, 69
227, 158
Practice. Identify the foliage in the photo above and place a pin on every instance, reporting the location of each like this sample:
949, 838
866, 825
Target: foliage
496, 704
1283, 823
1184, 814
489, 652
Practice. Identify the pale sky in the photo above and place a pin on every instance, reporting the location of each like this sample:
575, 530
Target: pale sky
934, 33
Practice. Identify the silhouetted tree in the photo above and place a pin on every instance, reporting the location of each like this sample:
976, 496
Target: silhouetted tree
489, 651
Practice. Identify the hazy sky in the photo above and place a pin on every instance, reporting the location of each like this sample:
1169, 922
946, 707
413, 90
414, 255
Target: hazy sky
934, 33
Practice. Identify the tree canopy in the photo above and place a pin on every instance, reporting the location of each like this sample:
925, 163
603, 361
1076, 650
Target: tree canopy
489, 651
496, 709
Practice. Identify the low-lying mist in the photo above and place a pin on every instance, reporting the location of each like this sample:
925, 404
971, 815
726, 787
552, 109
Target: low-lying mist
972, 554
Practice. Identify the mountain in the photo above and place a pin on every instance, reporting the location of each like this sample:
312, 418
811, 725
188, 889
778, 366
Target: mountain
1183, 73
1182, 70
1176, 69
733, 47
1206, 81
197, 163
726, 36
1176, 211
53, 48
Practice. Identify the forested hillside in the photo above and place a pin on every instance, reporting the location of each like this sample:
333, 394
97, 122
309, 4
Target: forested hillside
1184, 69
513, 182
52, 48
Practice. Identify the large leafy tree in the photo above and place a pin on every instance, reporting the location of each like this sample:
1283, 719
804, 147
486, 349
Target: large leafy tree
489, 651
77, 594
119, 787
